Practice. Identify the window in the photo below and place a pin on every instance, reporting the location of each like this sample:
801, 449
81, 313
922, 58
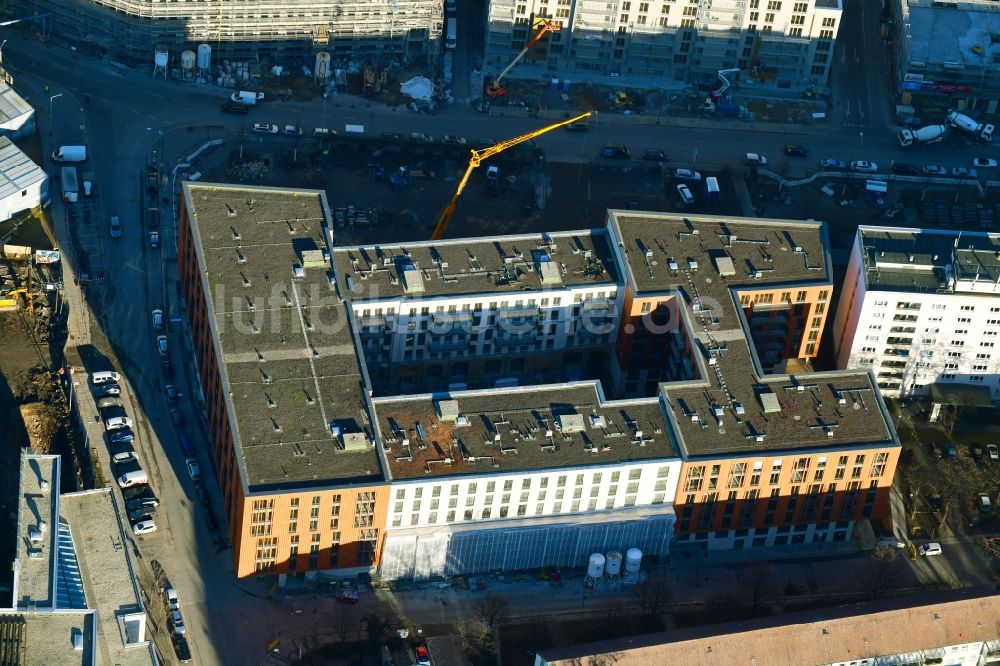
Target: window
694, 479
878, 466
775, 473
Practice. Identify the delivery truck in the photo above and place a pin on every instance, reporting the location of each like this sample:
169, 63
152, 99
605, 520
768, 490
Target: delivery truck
70, 186
247, 97
70, 154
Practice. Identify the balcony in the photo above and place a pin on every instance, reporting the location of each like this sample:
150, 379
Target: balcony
451, 317
899, 341
896, 352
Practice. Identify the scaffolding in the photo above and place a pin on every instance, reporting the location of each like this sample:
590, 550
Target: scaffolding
256, 29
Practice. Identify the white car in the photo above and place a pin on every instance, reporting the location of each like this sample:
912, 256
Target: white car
144, 527
161, 344
756, 159
292, 130
984, 163
266, 128
172, 602
452, 138
963, 172
158, 319
685, 193
192, 467
932, 170
929, 549
687, 174
864, 165
117, 422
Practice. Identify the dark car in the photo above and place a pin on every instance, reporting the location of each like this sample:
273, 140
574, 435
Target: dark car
977, 452
615, 151
950, 450
655, 156
233, 107
107, 389
937, 450
904, 169
182, 649
142, 513
138, 490
121, 436
578, 126
796, 150
935, 501
833, 165
143, 501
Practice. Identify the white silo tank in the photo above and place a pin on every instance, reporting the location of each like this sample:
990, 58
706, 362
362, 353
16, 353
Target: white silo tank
187, 60
322, 69
161, 57
204, 57
633, 559
613, 563
595, 566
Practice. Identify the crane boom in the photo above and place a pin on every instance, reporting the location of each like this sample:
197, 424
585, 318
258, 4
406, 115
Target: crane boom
476, 158
494, 89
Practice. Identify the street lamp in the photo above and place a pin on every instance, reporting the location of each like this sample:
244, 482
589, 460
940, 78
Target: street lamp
51, 106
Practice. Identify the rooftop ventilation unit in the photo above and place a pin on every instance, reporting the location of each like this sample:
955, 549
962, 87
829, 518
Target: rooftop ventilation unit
769, 401
569, 423
725, 266
447, 410
355, 441
412, 281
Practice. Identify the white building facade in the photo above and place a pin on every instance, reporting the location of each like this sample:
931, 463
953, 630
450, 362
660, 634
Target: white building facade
23, 184
922, 306
780, 41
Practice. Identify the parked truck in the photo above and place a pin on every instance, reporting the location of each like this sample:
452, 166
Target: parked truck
70, 154
929, 134
247, 97
70, 186
982, 131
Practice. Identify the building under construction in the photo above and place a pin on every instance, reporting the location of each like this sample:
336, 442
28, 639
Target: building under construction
264, 31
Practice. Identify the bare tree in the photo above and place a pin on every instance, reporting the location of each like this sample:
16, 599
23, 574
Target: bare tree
758, 577
478, 638
652, 595
990, 547
378, 620
879, 573
345, 621
492, 608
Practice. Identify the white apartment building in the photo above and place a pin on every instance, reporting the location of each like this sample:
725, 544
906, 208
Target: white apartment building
524, 478
922, 306
786, 43
467, 314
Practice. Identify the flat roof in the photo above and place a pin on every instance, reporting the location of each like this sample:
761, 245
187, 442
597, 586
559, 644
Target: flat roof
17, 171
931, 260
108, 576
939, 35
12, 105
38, 519
733, 406
500, 264
508, 430
46, 638
291, 375
923, 627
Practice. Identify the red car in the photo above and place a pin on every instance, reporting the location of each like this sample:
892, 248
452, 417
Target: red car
423, 656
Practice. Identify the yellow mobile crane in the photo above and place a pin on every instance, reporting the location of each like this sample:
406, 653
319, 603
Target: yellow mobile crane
476, 158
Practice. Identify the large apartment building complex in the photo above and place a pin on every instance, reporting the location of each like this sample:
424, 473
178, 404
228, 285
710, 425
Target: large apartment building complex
449, 407
261, 32
922, 306
788, 43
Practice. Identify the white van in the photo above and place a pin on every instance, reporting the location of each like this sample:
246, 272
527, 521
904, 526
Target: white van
136, 478
451, 38
117, 422
712, 192
104, 378
70, 154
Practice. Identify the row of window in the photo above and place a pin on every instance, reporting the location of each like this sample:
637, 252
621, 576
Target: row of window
697, 475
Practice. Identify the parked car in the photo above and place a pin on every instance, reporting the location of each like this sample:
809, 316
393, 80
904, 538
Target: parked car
142, 513
578, 126
929, 549
392, 136
107, 389
655, 156
904, 169
935, 501
936, 449
962, 172
154, 239
141, 527
984, 504
234, 107
265, 128
687, 174
173, 603
890, 542
171, 393
141, 502
178, 622
292, 130
116, 227
121, 436
136, 490
421, 136
175, 416
157, 316
833, 165
932, 170
192, 468
349, 597
984, 163
755, 159
615, 151
108, 402
454, 139
116, 422
977, 452
181, 649
423, 656
685, 193
950, 450
864, 166
993, 452
796, 150
123, 454
161, 344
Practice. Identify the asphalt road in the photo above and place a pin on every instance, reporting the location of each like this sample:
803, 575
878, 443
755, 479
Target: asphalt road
123, 122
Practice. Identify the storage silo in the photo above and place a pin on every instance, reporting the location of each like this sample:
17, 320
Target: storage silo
204, 57
322, 68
